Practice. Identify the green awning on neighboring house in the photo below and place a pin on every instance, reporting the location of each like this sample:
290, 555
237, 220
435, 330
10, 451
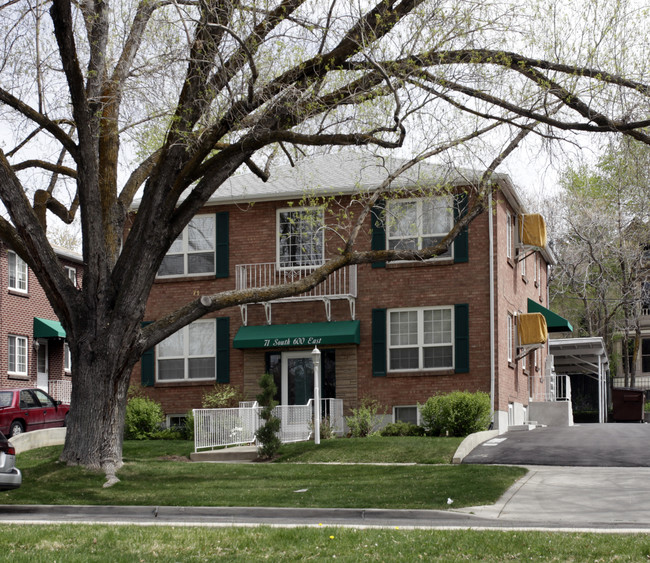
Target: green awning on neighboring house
44, 328
554, 322
303, 334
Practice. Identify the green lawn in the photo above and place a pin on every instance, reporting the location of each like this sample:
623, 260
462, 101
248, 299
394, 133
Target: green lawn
81, 543
373, 450
153, 475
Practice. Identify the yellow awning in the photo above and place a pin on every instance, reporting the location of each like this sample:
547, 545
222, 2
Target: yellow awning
531, 328
532, 230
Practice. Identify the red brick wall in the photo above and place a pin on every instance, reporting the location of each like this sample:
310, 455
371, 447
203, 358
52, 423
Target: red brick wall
17, 312
512, 291
253, 240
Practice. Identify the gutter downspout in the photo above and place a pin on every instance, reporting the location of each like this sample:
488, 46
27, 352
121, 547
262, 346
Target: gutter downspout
492, 335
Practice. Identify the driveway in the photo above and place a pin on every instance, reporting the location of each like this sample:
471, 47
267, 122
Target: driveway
586, 445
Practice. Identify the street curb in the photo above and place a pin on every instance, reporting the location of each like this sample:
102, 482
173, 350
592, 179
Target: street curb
470, 442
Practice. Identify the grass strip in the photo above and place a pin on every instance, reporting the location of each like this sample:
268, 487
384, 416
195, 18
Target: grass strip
152, 476
89, 543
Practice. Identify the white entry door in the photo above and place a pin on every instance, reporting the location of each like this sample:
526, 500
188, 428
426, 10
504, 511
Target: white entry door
297, 378
42, 366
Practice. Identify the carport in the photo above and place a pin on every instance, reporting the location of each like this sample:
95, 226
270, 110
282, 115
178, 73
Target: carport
586, 356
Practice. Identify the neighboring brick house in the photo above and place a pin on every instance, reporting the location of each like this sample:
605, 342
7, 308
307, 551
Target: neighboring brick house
33, 348
397, 332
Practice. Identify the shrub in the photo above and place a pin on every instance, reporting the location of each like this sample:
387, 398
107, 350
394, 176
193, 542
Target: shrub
267, 434
188, 427
364, 420
326, 428
458, 413
402, 429
143, 418
222, 396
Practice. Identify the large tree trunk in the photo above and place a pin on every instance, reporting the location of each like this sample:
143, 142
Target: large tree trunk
96, 420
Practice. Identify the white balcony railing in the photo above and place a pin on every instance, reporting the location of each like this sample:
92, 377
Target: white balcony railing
341, 284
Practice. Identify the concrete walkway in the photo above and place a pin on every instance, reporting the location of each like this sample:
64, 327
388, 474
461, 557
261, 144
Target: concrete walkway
575, 497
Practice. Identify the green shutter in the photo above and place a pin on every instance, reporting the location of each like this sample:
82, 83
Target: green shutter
379, 342
223, 349
378, 236
461, 322
222, 245
461, 243
148, 365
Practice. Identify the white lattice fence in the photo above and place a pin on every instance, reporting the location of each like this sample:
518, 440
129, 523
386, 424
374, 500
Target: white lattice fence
60, 390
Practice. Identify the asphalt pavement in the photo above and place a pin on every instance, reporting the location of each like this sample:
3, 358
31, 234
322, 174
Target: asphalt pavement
586, 445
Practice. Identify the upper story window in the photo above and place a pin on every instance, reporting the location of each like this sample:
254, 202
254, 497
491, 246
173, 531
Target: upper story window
193, 252
17, 272
189, 354
420, 338
510, 337
510, 228
72, 274
300, 237
419, 223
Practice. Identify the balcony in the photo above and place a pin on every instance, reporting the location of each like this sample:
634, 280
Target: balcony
341, 284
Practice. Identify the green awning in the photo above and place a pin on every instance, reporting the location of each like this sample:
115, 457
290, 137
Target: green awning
554, 322
304, 334
44, 328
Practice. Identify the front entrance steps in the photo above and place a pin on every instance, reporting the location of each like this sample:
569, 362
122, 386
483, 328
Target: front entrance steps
237, 454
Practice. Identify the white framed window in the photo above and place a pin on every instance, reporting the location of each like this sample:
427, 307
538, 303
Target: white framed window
67, 358
419, 223
72, 274
406, 414
420, 339
18, 273
17, 355
301, 237
510, 338
189, 354
509, 234
193, 252
522, 263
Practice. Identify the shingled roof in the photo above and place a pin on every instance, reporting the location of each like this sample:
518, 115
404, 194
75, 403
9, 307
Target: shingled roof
338, 173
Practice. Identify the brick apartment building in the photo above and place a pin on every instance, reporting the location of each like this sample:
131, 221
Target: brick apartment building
397, 332
33, 351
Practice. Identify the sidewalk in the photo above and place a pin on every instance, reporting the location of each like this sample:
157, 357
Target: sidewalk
575, 496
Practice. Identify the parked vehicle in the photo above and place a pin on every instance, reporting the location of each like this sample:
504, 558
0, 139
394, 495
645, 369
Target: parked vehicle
22, 410
10, 476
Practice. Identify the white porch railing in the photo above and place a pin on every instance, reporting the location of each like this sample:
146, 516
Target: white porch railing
215, 428
341, 284
554, 387
60, 390
224, 427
